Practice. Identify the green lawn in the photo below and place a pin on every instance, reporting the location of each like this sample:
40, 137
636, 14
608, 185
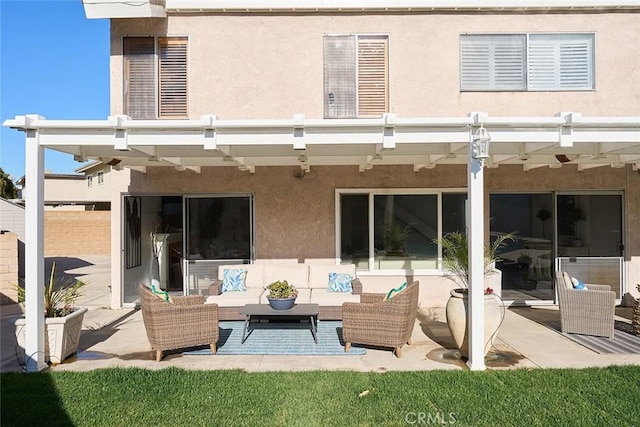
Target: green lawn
174, 397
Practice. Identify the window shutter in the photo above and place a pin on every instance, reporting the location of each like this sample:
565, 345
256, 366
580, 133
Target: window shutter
372, 76
172, 72
492, 62
561, 62
339, 77
139, 77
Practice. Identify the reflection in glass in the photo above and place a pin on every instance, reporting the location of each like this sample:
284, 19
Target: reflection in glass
354, 230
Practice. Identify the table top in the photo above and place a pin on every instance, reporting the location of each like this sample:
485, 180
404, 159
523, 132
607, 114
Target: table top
266, 310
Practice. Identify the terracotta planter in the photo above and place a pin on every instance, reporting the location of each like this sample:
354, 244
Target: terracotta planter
456, 312
62, 335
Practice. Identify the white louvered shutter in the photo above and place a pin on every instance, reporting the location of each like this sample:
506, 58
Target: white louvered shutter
339, 76
561, 62
492, 62
372, 75
172, 73
139, 77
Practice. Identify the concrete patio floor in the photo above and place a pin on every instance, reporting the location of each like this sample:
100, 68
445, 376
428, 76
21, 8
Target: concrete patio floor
116, 338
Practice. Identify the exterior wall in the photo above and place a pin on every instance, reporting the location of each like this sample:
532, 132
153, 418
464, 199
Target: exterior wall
12, 218
270, 66
77, 232
8, 268
290, 213
99, 192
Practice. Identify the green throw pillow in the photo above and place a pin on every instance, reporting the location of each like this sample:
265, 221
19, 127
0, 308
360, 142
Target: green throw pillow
395, 291
159, 292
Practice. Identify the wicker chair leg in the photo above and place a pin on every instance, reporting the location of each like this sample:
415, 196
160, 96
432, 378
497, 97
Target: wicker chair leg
213, 348
158, 355
398, 352
347, 346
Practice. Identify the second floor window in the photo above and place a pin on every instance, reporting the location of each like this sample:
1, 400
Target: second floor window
89, 181
355, 75
100, 177
527, 62
155, 77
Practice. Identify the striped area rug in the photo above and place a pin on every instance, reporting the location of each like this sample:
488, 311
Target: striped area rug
281, 338
621, 343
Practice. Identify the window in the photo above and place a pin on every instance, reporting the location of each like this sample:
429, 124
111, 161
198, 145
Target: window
355, 75
155, 77
396, 230
89, 181
100, 177
527, 62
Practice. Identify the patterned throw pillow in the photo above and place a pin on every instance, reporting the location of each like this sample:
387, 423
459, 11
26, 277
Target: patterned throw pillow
339, 282
160, 293
233, 280
395, 291
577, 284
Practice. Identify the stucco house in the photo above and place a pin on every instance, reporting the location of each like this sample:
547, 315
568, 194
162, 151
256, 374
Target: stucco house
348, 131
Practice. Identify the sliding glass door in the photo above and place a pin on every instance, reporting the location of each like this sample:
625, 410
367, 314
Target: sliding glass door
218, 230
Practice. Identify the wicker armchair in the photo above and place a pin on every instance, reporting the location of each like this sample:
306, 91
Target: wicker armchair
586, 312
381, 323
184, 322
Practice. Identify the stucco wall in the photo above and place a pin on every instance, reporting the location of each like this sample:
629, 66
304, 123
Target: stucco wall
295, 217
77, 232
270, 66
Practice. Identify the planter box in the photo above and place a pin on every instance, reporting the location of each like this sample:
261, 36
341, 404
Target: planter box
62, 335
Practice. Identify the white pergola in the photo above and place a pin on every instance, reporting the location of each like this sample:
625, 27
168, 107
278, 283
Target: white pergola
532, 142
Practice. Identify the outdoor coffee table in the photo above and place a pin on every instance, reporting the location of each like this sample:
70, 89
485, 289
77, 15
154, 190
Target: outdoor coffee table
264, 311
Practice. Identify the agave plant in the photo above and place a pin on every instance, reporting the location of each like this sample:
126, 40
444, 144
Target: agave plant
455, 255
58, 298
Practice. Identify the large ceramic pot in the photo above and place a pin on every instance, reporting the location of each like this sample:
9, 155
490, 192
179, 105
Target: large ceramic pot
62, 335
456, 312
281, 303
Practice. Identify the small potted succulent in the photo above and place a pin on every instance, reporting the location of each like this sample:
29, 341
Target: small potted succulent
282, 295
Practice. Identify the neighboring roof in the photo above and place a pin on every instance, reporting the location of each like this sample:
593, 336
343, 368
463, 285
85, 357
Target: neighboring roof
22, 179
89, 166
423, 142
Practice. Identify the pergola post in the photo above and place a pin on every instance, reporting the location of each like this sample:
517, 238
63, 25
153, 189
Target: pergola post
475, 317
34, 248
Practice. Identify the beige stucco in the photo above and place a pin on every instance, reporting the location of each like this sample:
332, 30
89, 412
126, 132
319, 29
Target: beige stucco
270, 66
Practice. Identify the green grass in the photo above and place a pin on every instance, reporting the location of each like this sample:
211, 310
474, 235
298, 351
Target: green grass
175, 397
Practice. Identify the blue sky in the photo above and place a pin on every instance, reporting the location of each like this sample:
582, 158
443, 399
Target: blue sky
53, 62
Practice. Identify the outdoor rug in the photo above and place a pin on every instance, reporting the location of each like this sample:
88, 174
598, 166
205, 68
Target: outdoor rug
278, 338
621, 343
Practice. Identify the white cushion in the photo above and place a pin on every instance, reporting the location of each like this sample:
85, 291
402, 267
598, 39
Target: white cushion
303, 297
332, 299
319, 273
254, 274
236, 299
567, 280
296, 274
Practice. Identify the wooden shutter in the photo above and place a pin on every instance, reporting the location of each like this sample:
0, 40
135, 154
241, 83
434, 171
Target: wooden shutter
561, 62
339, 76
492, 62
139, 77
172, 74
372, 75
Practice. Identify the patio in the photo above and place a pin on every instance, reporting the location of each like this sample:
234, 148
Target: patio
116, 338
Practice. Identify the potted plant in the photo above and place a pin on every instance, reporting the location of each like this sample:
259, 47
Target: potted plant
282, 295
455, 262
63, 321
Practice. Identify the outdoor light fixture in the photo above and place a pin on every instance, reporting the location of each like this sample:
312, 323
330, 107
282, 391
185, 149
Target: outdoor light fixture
480, 145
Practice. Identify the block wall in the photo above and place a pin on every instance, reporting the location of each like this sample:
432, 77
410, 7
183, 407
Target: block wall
77, 232
8, 268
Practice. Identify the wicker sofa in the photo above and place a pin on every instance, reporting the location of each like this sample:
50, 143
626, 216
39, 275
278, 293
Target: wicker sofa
311, 281
586, 312
184, 322
377, 322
